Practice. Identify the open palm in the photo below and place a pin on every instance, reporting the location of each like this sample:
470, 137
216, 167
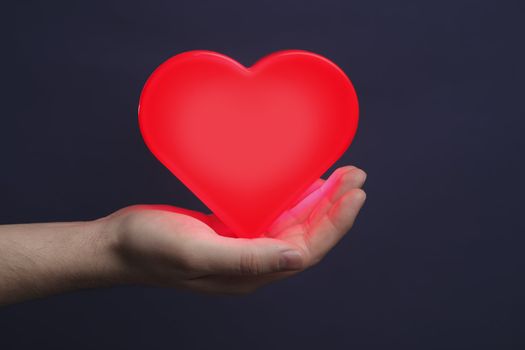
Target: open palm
178, 247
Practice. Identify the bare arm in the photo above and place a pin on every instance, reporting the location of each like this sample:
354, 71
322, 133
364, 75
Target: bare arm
43, 259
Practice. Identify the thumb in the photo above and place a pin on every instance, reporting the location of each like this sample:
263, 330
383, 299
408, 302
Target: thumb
236, 256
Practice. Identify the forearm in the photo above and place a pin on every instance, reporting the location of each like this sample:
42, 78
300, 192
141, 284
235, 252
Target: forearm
43, 259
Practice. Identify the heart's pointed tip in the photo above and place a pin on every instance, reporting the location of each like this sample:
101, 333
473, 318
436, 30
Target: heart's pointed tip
243, 232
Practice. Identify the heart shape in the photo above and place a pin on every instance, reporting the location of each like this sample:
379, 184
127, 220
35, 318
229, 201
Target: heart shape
248, 141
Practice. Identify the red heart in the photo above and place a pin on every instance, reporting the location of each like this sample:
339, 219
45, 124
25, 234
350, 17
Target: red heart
248, 141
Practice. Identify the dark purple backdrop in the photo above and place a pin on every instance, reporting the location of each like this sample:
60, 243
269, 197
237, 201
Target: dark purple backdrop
435, 261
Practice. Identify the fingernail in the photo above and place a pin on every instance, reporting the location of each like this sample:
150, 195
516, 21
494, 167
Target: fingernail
291, 260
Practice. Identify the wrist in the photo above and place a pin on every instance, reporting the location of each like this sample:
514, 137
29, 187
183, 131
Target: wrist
107, 263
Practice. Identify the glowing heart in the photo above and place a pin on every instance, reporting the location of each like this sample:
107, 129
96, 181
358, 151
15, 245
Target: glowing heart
248, 141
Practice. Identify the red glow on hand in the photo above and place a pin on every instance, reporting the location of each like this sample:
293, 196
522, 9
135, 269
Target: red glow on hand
248, 141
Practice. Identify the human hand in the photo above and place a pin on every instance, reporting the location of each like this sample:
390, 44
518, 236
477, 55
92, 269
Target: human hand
169, 246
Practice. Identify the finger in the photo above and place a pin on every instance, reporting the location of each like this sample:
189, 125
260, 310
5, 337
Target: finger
303, 208
295, 213
313, 187
230, 256
329, 230
344, 213
340, 180
353, 178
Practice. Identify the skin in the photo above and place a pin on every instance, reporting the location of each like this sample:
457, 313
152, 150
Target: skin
174, 247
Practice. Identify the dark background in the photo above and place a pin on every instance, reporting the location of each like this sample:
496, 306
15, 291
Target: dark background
435, 260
